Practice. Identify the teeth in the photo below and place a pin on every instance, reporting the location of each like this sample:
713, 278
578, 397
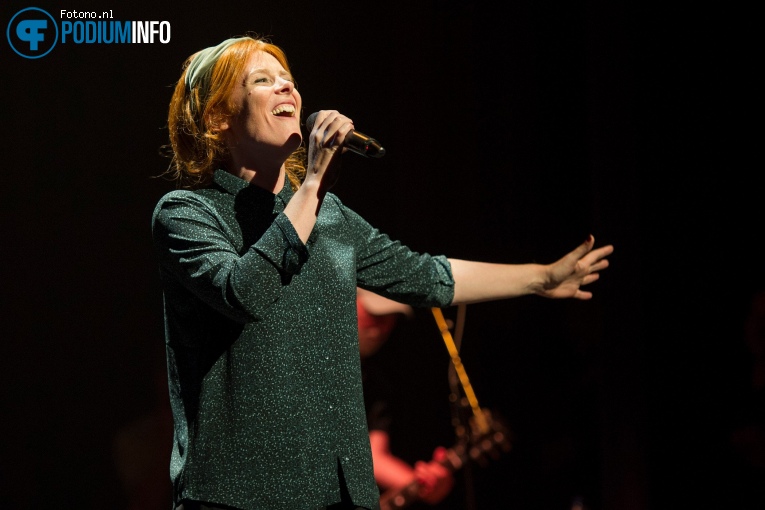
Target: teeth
284, 108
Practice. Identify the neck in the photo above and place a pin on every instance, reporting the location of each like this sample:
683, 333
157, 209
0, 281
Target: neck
268, 177
269, 181
264, 167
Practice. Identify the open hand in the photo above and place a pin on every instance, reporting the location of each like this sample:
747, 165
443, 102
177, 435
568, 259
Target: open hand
579, 267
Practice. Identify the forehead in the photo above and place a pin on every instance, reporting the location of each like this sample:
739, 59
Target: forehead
261, 60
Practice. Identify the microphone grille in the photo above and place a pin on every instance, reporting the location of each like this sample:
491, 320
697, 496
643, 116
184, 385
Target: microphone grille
309, 122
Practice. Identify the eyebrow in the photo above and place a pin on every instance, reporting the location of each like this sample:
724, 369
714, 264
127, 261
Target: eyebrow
264, 70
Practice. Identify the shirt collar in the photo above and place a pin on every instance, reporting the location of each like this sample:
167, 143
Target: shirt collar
234, 185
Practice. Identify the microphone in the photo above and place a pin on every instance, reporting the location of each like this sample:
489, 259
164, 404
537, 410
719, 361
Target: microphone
357, 142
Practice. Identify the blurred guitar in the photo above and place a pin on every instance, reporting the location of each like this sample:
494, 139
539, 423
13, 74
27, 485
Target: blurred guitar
476, 448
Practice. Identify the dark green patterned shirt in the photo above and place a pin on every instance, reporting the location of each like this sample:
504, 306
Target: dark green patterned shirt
262, 343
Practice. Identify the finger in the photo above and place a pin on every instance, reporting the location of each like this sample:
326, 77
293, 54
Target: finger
590, 278
322, 134
607, 250
583, 249
335, 126
342, 127
329, 134
322, 119
595, 255
603, 251
583, 295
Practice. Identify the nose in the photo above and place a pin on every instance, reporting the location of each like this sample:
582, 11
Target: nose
284, 86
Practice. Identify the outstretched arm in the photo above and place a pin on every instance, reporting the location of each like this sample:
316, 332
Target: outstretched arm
481, 281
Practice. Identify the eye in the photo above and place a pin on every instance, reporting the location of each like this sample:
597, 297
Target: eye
261, 80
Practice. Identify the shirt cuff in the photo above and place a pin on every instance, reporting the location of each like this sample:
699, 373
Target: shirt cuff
443, 290
295, 252
282, 246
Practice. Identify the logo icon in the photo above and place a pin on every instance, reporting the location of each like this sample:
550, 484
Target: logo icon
32, 32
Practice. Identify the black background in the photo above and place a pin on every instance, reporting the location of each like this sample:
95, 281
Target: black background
512, 132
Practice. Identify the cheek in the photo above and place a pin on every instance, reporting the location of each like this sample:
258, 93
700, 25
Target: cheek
255, 121
298, 101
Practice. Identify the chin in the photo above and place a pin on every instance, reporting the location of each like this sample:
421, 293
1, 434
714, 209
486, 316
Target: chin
294, 141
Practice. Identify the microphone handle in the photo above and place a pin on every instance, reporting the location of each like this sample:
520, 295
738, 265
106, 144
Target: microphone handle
364, 145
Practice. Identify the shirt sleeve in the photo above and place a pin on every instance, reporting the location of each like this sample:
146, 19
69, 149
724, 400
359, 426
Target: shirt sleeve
390, 268
198, 250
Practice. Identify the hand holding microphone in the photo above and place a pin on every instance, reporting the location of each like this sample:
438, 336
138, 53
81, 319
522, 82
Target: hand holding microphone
357, 142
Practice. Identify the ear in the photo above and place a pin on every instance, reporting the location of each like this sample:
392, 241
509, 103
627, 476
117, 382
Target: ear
223, 125
217, 121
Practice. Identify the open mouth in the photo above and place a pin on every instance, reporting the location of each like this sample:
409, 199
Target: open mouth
284, 110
